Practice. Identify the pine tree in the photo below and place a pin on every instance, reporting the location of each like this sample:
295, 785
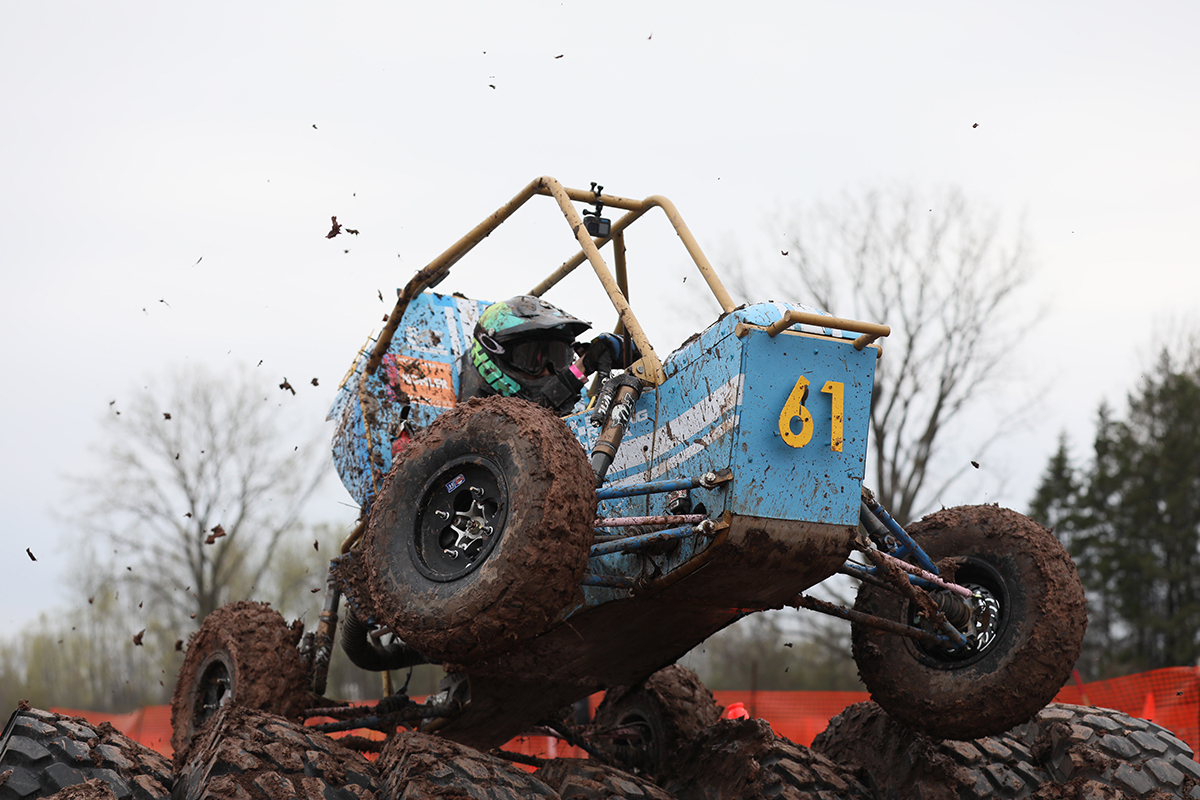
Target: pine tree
1133, 524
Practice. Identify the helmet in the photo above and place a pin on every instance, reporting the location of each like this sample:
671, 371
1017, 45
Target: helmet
518, 345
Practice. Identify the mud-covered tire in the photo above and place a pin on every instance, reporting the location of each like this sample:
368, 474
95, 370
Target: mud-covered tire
513, 475
243, 753
898, 763
244, 654
1036, 636
667, 710
1081, 744
94, 789
587, 779
745, 758
42, 753
1065, 751
417, 766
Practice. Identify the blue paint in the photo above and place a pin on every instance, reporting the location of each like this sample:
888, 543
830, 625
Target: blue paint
718, 408
631, 544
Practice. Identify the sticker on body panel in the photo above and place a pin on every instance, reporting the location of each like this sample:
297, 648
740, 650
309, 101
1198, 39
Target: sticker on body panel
424, 381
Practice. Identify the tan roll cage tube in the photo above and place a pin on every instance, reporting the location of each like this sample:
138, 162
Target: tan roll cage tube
648, 368
870, 330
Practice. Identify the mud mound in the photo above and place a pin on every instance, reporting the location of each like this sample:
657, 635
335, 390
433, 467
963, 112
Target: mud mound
661, 715
94, 789
745, 758
417, 766
584, 779
244, 753
1065, 752
43, 753
244, 654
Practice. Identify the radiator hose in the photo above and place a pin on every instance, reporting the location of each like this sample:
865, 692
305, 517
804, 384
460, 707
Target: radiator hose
369, 654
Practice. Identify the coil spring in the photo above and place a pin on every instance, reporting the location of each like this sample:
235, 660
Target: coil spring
957, 612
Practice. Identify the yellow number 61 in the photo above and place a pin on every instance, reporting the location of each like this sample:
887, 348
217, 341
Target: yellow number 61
794, 407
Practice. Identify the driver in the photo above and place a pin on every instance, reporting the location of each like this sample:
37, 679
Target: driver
524, 347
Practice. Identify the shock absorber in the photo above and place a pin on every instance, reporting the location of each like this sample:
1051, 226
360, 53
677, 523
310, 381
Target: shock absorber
616, 417
957, 612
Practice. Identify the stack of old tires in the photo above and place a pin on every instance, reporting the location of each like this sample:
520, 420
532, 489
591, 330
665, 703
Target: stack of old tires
664, 739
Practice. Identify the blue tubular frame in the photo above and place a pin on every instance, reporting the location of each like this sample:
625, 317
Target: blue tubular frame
905, 546
628, 544
872, 515
652, 487
607, 581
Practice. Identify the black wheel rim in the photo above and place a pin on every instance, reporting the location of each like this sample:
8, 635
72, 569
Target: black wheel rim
638, 745
989, 620
213, 690
460, 519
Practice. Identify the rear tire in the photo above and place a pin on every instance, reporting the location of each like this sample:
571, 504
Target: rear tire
1021, 658
664, 712
479, 536
245, 655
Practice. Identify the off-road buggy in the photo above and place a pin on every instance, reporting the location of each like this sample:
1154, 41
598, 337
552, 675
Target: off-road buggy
540, 559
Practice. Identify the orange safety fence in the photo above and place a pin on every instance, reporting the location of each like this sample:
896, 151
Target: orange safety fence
799, 716
1169, 697
149, 725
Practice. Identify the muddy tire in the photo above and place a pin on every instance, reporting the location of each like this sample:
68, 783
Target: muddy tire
1079, 745
586, 779
479, 536
643, 726
243, 753
1022, 656
417, 766
43, 753
898, 763
745, 758
244, 654
1065, 751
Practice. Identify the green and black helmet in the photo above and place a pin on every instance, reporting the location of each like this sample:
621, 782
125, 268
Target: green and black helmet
518, 345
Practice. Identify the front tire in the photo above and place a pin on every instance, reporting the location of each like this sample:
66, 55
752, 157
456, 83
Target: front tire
479, 537
1020, 657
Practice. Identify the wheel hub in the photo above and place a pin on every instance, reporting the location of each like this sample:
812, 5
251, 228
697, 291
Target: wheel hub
463, 511
216, 689
985, 619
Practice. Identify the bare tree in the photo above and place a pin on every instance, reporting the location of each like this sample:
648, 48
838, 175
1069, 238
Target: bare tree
945, 278
198, 484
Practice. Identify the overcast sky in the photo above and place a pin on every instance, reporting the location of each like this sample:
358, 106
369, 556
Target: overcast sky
168, 172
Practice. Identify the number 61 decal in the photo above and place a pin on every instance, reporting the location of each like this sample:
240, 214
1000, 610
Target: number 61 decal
794, 407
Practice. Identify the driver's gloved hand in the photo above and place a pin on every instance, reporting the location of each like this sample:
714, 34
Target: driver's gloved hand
605, 351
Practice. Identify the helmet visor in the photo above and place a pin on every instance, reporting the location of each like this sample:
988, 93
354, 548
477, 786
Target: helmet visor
534, 356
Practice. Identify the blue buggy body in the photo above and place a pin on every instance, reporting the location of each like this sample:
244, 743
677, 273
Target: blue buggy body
723, 479
720, 408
